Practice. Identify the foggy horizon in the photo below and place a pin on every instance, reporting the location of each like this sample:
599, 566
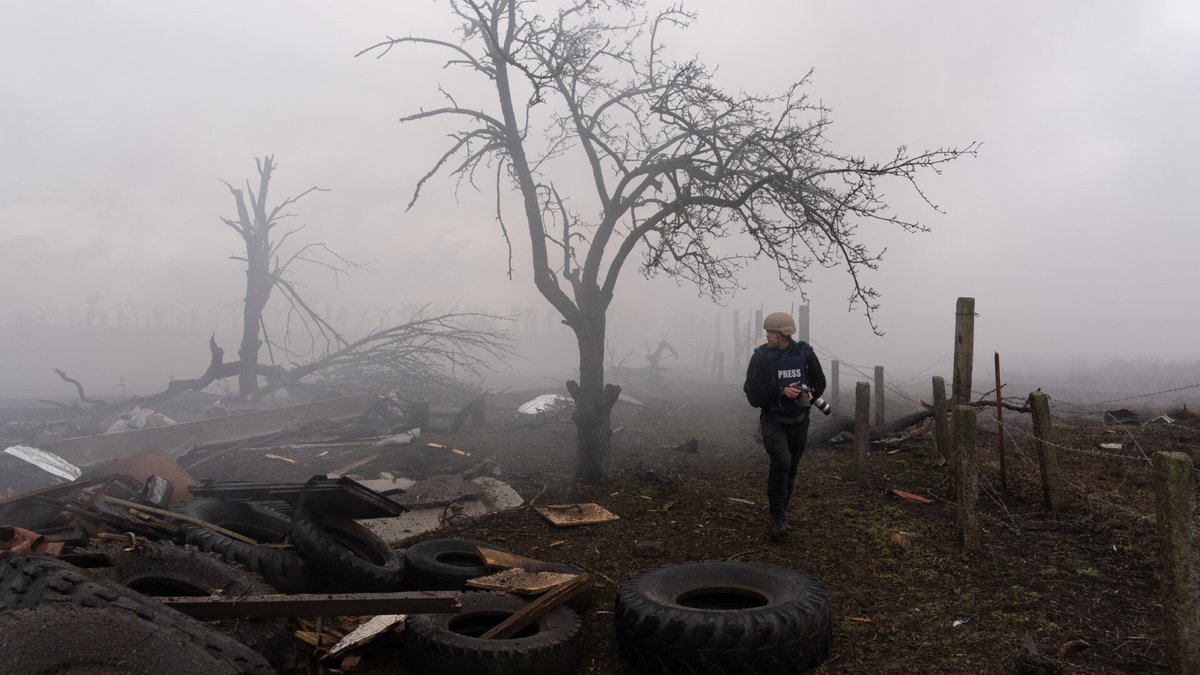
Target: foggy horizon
1070, 228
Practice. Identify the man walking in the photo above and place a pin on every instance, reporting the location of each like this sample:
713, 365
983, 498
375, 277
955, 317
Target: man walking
783, 377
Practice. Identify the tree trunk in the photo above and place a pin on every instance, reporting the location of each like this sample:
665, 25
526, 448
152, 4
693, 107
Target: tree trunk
258, 290
593, 403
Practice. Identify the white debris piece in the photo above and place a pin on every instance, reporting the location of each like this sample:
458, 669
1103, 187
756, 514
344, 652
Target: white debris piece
139, 418
46, 461
494, 495
544, 403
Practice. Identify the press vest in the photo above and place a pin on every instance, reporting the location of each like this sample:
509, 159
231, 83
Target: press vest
788, 368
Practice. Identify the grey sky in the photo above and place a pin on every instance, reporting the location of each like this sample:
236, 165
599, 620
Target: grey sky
1074, 227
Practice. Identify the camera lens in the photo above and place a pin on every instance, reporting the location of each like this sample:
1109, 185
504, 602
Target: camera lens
822, 405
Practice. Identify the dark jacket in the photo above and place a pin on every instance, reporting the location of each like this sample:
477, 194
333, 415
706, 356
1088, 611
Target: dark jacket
771, 370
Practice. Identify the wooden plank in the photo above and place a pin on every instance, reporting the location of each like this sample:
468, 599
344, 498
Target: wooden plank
521, 581
538, 608
502, 559
567, 515
316, 604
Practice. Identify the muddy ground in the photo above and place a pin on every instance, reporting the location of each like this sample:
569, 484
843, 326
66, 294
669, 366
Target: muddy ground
1080, 586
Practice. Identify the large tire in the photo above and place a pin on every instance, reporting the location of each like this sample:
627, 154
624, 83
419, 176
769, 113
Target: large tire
164, 570
445, 564
450, 643
723, 617
65, 640
283, 569
27, 582
346, 552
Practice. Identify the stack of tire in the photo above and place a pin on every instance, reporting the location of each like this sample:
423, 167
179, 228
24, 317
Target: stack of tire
451, 643
57, 618
332, 552
335, 553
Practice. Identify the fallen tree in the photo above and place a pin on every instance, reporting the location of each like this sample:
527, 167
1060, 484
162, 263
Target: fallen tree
423, 354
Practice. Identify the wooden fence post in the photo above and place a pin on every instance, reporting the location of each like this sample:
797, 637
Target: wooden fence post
1039, 405
835, 387
964, 360
1000, 428
967, 478
941, 426
1175, 508
862, 428
878, 396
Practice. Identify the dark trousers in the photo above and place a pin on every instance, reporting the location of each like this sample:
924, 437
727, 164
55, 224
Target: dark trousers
785, 444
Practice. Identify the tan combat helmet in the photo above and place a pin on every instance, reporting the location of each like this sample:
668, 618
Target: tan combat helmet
780, 322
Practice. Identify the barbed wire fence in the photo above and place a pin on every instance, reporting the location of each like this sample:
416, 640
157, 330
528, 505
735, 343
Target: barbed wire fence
1075, 420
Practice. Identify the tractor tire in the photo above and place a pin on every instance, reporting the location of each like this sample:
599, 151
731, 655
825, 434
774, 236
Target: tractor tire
60, 639
28, 582
346, 552
165, 570
723, 618
450, 643
283, 569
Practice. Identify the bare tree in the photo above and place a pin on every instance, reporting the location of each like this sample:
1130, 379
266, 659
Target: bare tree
676, 163
266, 268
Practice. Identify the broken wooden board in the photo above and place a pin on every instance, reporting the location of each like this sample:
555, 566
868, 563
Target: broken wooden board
521, 581
538, 608
497, 559
904, 494
567, 515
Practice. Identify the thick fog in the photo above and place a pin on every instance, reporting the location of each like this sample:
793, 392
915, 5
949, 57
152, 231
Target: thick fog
1074, 227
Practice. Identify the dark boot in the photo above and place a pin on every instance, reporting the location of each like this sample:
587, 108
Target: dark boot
778, 528
787, 500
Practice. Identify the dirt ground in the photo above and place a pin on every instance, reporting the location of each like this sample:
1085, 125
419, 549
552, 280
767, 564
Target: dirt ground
1080, 586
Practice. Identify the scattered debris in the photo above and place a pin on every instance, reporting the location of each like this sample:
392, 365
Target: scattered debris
545, 403
494, 495
959, 622
456, 451
21, 540
911, 496
368, 632
521, 581
739, 500
138, 418
538, 608
648, 548
1162, 419
1122, 416
567, 515
902, 540
46, 461
1071, 646
1110, 446
289, 460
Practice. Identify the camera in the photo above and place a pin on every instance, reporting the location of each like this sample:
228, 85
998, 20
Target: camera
817, 402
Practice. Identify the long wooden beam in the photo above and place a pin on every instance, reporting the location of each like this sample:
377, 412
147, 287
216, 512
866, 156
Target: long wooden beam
316, 604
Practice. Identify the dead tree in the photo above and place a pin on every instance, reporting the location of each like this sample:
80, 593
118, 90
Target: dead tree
266, 267
676, 164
